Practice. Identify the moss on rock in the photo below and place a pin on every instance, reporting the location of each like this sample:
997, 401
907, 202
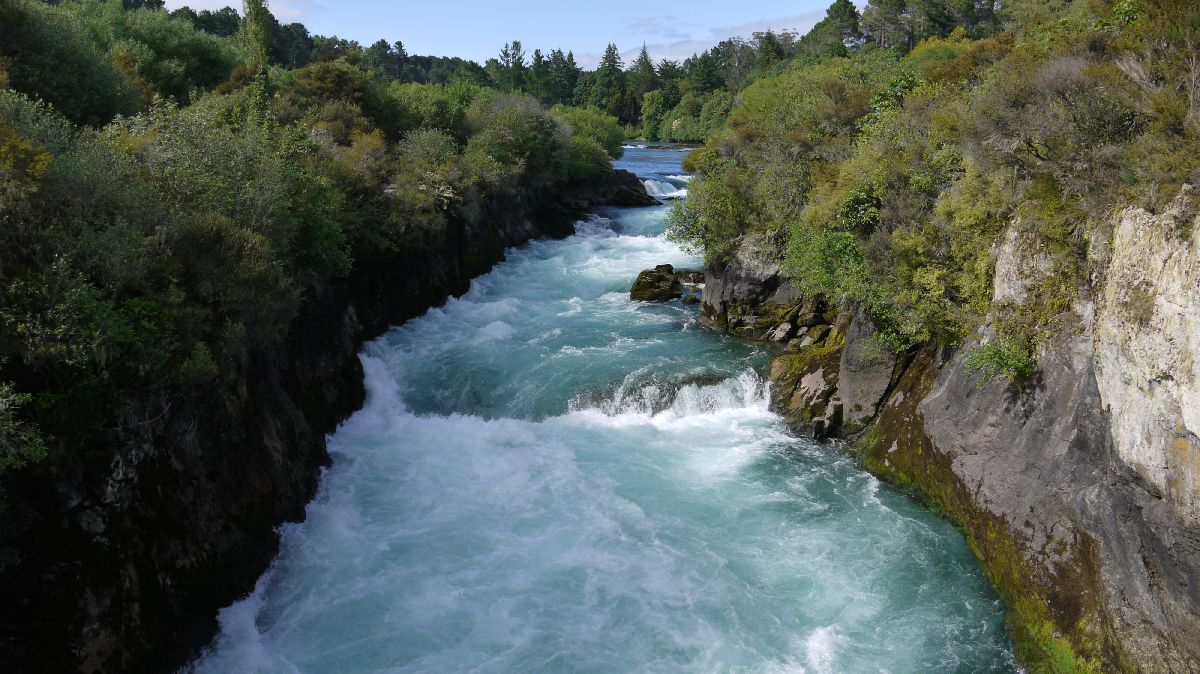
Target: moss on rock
1053, 614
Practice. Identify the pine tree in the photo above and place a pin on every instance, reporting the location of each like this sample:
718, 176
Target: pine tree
537, 82
704, 74
608, 89
770, 51
403, 67
511, 67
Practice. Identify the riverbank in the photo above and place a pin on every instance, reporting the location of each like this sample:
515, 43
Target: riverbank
120, 560
549, 475
1093, 558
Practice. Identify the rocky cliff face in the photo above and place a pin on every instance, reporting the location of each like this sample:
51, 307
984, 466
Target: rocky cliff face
1078, 492
117, 556
1147, 343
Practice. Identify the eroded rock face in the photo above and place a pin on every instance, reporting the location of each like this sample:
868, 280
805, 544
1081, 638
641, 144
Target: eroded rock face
1091, 563
867, 371
804, 390
1078, 490
1147, 346
749, 296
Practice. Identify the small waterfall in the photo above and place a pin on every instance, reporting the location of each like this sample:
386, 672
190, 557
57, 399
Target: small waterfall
661, 189
695, 395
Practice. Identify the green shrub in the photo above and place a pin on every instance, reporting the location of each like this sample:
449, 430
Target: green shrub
21, 443
596, 125
1003, 357
50, 57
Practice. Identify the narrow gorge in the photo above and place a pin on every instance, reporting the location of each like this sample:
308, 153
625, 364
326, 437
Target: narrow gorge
809, 337
548, 474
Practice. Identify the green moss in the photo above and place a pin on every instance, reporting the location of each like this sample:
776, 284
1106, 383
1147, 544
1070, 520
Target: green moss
1054, 621
789, 370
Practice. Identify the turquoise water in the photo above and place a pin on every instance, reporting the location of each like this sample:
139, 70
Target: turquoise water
548, 477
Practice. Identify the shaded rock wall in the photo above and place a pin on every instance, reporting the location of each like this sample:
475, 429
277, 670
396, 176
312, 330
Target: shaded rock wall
117, 555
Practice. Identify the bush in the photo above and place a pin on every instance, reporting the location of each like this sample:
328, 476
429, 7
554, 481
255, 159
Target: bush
21, 444
51, 58
591, 123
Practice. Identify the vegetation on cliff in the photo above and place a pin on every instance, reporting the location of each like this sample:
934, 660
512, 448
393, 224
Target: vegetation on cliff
894, 166
168, 199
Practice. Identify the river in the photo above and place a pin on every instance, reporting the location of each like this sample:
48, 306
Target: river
548, 477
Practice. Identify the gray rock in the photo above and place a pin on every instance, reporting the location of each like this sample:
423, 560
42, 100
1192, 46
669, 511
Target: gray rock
1043, 463
1147, 343
782, 333
866, 373
750, 282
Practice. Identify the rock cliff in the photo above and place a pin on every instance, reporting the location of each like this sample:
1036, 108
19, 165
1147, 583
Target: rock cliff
118, 557
1078, 491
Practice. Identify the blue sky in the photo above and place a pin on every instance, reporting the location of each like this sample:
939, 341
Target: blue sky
477, 30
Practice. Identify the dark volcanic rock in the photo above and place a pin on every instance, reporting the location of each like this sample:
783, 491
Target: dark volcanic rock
619, 188
656, 285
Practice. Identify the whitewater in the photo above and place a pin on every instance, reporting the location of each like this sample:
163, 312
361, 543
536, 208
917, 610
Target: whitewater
549, 477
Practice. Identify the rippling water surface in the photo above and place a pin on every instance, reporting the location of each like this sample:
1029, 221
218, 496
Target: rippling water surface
548, 477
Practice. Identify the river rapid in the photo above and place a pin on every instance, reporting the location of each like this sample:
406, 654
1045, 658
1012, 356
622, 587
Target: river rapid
549, 477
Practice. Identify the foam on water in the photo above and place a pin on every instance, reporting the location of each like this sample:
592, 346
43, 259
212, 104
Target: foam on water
662, 189
548, 477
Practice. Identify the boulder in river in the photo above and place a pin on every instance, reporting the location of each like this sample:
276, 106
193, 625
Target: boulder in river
665, 283
656, 285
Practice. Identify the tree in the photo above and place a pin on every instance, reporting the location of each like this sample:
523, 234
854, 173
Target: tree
537, 83
770, 51
669, 71
642, 76
654, 110
608, 87
256, 32
511, 66
224, 22
885, 22
143, 4
838, 32
704, 74
382, 57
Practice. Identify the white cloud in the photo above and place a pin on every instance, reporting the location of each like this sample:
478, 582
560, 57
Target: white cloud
678, 44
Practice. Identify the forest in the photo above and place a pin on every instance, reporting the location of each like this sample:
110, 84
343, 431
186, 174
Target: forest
173, 186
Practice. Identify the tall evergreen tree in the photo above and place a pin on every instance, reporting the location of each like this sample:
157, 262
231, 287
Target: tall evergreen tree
704, 74
770, 51
608, 88
512, 66
537, 81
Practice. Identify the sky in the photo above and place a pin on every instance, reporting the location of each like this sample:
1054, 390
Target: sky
477, 30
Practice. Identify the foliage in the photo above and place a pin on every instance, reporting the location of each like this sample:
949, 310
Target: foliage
50, 57
892, 178
594, 124
20, 443
150, 257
